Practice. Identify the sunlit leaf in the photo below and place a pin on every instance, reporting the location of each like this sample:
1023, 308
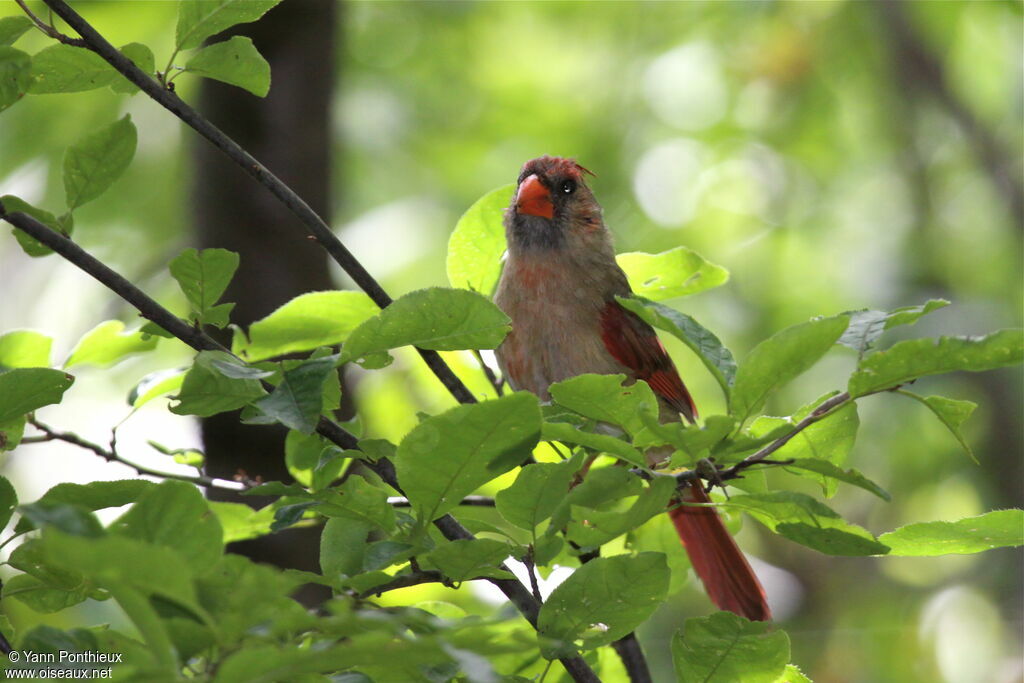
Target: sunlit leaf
915, 358
306, 322
108, 343
468, 559
996, 529
535, 494
829, 470
605, 399
670, 274
726, 648
155, 384
605, 443
24, 349
235, 61
478, 241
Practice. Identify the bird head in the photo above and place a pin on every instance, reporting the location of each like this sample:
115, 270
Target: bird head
552, 204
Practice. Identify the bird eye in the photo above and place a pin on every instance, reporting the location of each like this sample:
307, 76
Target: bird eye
568, 186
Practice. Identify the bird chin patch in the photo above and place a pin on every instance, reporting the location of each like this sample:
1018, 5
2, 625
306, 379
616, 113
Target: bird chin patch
536, 232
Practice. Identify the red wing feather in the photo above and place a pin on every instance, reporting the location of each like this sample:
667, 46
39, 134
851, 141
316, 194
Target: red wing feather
730, 582
634, 343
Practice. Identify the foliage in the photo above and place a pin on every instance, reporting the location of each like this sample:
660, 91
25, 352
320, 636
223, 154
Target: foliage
200, 612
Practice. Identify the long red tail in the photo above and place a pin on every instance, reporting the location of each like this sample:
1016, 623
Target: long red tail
727, 576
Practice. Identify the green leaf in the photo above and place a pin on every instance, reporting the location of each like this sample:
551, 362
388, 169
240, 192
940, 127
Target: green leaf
466, 559
670, 274
30, 245
867, 326
435, 318
15, 74
240, 522
205, 391
119, 561
780, 359
535, 494
995, 529
92, 164
727, 648
952, 413
709, 349
793, 674
478, 241
24, 349
694, 440
306, 322
829, 470
830, 439
155, 384
107, 344
358, 500
98, 495
604, 443
175, 515
203, 277
11, 433
596, 527
343, 545
8, 501
447, 457
605, 399
600, 602
22, 390
42, 597
64, 68
193, 457
12, 28
915, 358
301, 455
235, 61
809, 522
142, 57
297, 401
200, 19
70, 519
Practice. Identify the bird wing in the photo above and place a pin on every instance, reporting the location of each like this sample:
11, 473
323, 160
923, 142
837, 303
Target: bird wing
635, 344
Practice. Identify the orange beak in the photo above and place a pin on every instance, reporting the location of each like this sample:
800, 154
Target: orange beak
534, 199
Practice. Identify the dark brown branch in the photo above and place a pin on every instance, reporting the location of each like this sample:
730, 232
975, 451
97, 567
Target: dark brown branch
632, 656
111, 455
515, 591
316, 225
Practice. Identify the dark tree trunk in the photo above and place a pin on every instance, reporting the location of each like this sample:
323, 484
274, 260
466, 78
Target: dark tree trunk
289, 131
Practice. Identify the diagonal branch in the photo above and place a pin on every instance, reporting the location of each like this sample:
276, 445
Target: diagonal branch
313, 222
515, 591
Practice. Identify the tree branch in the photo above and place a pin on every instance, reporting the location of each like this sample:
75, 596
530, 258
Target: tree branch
50, 434
48, 29
468, 501
316, 225
632, 656
515, 591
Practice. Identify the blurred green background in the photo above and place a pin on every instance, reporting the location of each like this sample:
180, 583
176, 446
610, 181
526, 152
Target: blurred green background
831, 155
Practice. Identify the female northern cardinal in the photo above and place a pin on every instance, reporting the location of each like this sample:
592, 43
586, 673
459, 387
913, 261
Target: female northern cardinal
559, 286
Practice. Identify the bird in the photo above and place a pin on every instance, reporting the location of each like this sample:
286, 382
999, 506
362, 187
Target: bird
559, 286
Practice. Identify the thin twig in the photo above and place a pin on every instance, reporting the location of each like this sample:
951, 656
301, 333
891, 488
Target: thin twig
513, 589
50, 434
295, 204
48, 29
531, 571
